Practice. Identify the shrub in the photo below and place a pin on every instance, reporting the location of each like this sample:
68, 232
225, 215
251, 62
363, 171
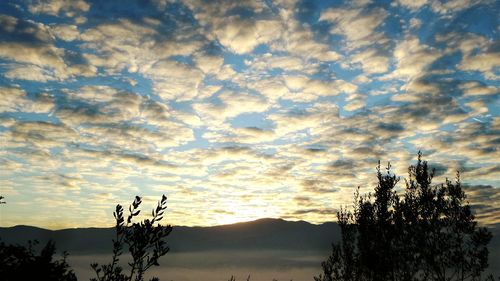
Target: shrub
146, 243
20, 263
427, 233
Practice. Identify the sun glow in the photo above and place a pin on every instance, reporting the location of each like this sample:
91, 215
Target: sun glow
241, 211
239, 111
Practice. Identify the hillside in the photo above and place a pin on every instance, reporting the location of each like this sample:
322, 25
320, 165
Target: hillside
263, 234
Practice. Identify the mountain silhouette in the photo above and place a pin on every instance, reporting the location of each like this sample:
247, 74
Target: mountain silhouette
262, 234
265, 234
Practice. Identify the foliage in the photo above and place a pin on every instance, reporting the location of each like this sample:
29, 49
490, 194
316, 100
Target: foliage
146, 243
234, 278
248, 278
21, 263
427, 233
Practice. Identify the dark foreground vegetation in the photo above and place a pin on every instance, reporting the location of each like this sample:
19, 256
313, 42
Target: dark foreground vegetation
23, 263
145, 241
424, 232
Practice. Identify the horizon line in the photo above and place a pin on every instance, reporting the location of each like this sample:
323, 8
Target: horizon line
191, 226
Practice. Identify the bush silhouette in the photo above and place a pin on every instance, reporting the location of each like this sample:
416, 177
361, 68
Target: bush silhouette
146, 243
427, 233
20, 263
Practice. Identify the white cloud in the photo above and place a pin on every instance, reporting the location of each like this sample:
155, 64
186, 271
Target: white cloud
66, 32
270, 61
478, 52
209, 64
450, 6
43, 56
371, 61
29, 72
93, 93
303, 88
35, 49
413, 4
483, 62
357, 25
233, 104
54, 7
299, 41
312, 120
355, 102
181, 132
240, 35
42, 135
252, 135
137, 48
474, 88
129, 45
272, 88
16, 100
412, 58
173, 80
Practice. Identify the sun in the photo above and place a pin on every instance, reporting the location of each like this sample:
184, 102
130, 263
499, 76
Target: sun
243, 211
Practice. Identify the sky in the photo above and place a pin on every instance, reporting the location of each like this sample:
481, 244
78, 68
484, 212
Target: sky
239, 110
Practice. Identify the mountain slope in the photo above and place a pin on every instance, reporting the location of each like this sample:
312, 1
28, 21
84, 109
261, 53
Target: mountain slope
259, 235
264, 234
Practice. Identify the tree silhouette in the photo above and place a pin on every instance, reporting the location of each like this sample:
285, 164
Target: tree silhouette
232, 278
20, 263
427, 233
146, 243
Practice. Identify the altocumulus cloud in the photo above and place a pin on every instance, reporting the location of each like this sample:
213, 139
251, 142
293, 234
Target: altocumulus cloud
240, 109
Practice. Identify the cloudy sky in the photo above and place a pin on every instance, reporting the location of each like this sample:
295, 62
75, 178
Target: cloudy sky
238, 110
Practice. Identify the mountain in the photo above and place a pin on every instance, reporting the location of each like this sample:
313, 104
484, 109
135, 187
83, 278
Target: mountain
263, 234
259, 235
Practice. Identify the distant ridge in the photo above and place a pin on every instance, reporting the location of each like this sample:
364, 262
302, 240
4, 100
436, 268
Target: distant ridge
262, 234
258, 235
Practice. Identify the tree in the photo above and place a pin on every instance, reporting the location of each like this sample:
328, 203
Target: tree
21, 263
146, 243
427, 233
